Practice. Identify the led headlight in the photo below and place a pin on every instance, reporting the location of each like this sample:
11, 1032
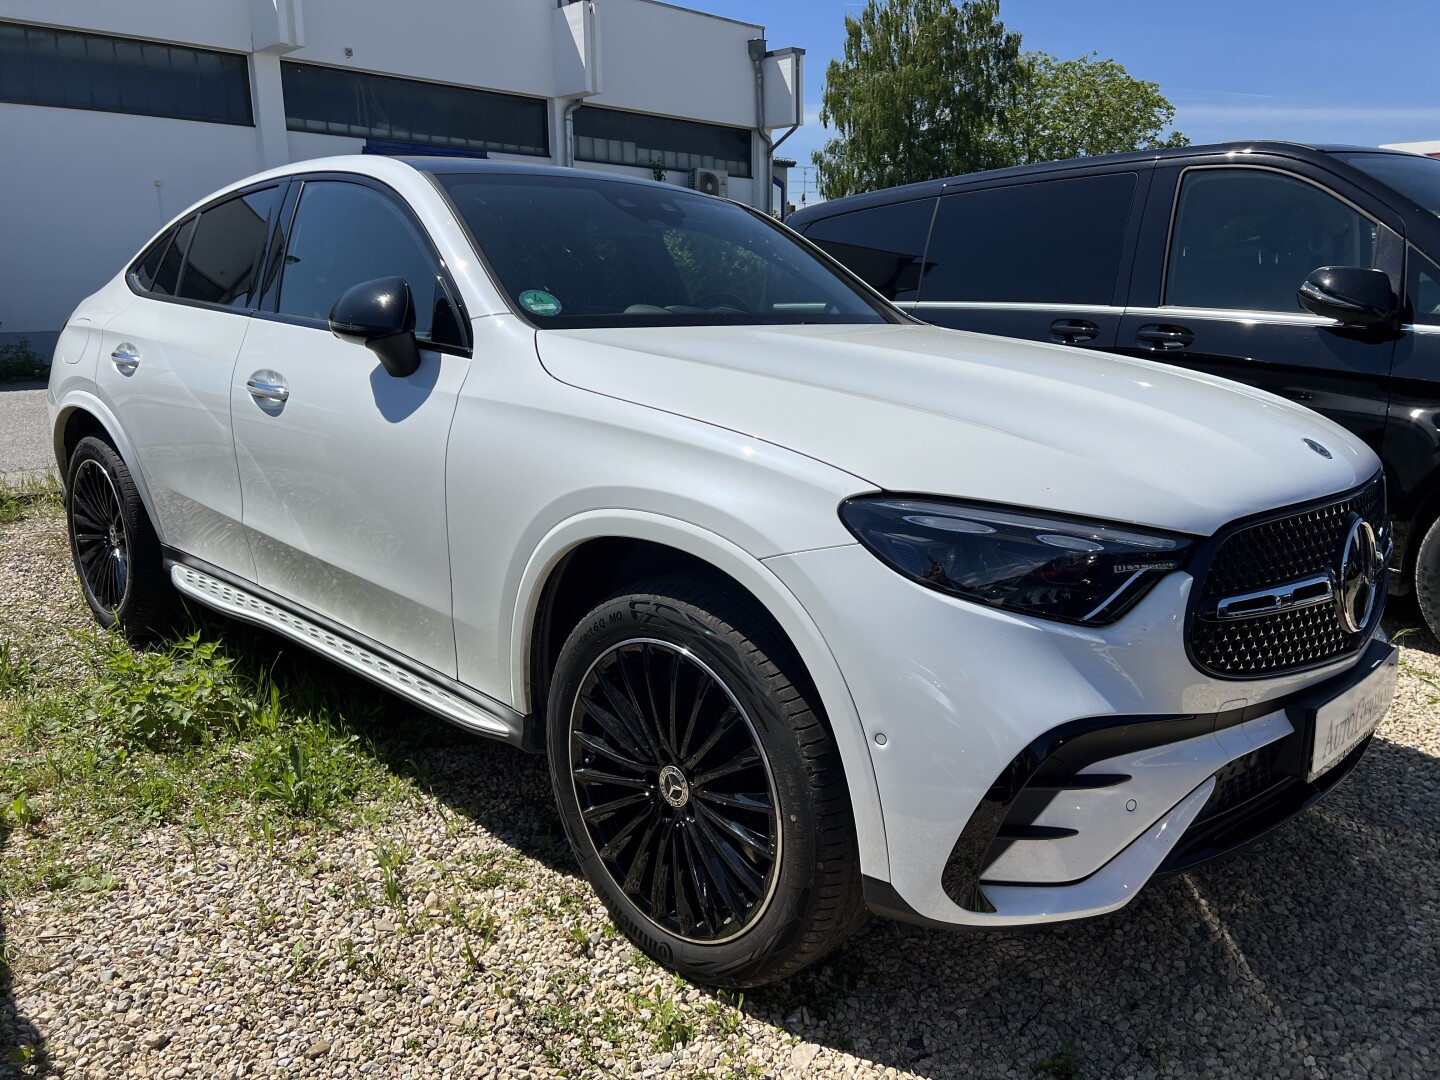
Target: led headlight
1076, 571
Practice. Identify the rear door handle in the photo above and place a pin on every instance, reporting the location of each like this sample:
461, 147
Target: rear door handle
268, 387
1163, 337
126, 357
1073, 331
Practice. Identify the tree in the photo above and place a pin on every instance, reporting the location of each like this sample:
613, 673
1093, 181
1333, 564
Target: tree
917, 94
1076, 108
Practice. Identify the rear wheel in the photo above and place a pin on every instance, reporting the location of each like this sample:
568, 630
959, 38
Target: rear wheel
700, 788
1427, 578
116, 551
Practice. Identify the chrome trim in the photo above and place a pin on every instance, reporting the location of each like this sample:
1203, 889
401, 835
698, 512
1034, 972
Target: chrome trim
1008, 305
1421, 328
264, 390
1289, 318
126, 357
1110, 599
1280, 597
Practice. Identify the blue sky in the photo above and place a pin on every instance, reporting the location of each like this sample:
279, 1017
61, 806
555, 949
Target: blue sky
1362, 71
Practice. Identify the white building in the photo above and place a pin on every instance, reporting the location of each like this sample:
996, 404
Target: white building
115, 116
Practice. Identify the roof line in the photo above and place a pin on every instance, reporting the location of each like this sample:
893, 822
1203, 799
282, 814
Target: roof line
705, 14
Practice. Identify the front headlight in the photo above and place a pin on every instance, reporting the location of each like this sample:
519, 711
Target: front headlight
1058, 568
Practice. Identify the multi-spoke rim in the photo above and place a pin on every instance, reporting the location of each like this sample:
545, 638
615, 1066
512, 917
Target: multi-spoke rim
97, 529
675, 790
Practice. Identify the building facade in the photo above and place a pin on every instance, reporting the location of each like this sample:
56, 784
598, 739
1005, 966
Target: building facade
115, 119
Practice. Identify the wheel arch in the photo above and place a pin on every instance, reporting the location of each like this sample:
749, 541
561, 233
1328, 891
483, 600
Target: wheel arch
80, 414
630, 545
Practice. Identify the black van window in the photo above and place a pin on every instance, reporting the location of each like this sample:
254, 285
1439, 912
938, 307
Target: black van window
229, 241
1424, 290
883, 245
1247, 239
1056, 241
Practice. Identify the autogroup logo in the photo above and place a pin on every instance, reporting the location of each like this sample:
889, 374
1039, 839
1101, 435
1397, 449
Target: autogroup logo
1359, 578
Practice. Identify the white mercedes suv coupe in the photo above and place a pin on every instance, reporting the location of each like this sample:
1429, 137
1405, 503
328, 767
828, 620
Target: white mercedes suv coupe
814, 609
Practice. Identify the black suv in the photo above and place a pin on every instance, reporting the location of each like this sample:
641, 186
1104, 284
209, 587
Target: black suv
1308, 271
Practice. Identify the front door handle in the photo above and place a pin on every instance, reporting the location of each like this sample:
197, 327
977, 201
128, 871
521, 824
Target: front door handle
268, 387
1163, 337
1073, 331
126, 357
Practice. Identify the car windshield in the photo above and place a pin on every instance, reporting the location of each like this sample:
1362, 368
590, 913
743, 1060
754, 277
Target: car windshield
1412, 175
577, 251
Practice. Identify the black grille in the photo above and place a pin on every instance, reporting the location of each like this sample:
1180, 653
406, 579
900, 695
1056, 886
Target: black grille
1270, 553
1243, 779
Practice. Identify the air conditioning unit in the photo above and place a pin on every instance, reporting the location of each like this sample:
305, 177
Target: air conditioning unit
710, 181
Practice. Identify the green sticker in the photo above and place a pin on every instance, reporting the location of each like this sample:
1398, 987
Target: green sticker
539, 302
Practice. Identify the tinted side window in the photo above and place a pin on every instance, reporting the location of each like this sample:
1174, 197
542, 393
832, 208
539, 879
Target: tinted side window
167, 274
229, 242
1246, 238
884, 245
1056, 242
348, 233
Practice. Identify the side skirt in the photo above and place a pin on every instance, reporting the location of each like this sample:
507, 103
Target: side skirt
432, 691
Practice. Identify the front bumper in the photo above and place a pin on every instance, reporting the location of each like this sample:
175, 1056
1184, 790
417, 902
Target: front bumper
1033, 772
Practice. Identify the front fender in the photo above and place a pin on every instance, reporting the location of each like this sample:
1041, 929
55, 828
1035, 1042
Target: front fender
779, 601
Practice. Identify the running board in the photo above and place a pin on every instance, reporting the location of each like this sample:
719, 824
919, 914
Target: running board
429, 692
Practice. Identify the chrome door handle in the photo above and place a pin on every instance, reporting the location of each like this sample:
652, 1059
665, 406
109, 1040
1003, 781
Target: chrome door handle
268, 388
126, 357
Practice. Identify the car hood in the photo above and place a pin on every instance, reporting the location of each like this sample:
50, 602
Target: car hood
920, 409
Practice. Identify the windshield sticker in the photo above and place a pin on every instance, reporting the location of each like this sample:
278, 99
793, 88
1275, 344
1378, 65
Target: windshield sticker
538, 302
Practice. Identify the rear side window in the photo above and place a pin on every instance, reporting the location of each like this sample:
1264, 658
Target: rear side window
227, 247
167, 272
1053, 242
1424, 290
1247, 239
884, 245
348, 233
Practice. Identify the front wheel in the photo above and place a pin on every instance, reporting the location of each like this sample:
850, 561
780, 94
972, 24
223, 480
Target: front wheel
1427, 578
700, 788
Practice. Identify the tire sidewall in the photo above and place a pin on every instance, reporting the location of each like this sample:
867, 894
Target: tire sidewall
678, 623
1427, 578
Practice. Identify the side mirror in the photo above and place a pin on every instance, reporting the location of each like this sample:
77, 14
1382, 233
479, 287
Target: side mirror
380, 315
1352, 295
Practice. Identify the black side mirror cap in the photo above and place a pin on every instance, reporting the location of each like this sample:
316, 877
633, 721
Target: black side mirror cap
1353, 295
380, 315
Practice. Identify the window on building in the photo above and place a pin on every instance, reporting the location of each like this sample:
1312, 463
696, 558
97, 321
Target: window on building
331, 101
345, 234
62, 68
885, 245
1248, 238
623, 138
1051, 242
228, 245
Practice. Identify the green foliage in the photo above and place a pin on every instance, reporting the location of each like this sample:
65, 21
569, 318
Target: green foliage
20, 363
1079, 108
181, 695
667, 1024
916, 94
15, 674
929, 88
17, 498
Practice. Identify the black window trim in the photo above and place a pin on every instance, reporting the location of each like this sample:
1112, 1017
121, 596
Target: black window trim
165, 234
447, 280
245, 57
1380, 228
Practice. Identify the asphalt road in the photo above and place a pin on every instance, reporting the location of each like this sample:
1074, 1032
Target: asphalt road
24, 442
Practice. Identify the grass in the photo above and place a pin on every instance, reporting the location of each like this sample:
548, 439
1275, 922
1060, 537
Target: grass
19, 497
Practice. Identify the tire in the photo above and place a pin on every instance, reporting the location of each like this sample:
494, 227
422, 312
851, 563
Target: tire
113, 544
699, 874
1427, 578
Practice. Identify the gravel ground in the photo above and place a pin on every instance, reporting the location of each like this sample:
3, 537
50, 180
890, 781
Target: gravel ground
25, 448
1313, 955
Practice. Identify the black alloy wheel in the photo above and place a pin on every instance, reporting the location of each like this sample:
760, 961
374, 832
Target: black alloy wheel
700, 786
102, 543
674, 790
115, 547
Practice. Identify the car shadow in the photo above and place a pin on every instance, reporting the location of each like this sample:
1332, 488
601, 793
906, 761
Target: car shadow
22, 1047
1318, 944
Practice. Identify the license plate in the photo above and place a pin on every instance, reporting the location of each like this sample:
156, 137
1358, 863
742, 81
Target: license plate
1342, 723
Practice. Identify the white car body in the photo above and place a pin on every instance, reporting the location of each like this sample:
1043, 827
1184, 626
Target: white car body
409, 528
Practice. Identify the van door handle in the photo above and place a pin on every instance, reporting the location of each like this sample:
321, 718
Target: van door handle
268, 387
1164, 338
1073, 331
126, 357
